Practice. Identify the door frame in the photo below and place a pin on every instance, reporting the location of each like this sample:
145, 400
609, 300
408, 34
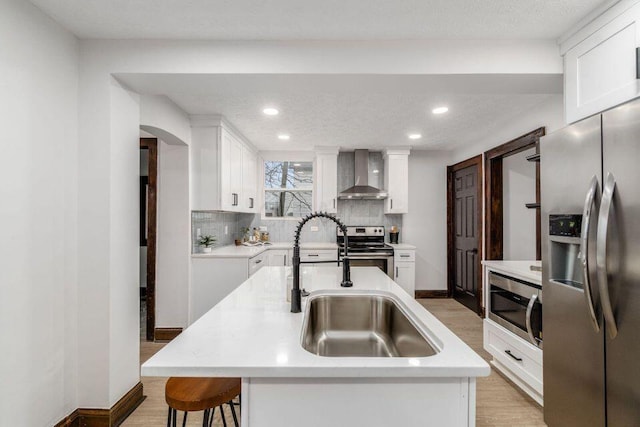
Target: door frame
451, 229
494, 196
151, 144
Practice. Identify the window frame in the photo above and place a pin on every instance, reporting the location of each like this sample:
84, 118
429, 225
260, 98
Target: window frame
288, 157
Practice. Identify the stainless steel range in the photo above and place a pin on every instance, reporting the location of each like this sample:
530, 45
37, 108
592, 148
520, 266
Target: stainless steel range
367, 248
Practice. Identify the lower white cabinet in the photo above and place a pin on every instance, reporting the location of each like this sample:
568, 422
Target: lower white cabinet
257, 262
405, 270
517, 359
279, 257
212, 279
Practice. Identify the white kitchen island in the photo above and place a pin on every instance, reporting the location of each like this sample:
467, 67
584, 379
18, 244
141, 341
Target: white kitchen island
253, 335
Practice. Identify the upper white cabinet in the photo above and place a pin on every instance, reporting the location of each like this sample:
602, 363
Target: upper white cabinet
326, 182
601, 69
223, 167
396, 181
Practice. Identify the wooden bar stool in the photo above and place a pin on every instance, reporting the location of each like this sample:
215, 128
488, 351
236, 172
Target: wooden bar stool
200, 394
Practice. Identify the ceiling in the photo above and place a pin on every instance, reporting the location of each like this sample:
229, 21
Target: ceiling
318, 20
355, 111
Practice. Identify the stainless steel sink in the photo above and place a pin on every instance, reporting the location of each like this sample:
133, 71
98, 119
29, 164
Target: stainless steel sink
353, 325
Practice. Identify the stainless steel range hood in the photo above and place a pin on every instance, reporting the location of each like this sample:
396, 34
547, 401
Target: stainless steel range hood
362, 189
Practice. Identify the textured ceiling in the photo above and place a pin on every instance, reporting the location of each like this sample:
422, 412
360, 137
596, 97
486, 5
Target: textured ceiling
317, 20
355, 111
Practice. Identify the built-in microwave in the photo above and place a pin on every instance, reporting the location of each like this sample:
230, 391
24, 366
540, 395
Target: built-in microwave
517, 306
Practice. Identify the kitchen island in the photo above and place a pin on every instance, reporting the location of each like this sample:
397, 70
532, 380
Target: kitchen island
252, 334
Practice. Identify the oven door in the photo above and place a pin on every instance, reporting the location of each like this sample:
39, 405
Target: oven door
516, 306
384, 263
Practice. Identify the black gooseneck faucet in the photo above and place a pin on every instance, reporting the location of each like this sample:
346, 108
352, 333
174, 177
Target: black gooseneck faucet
296, 296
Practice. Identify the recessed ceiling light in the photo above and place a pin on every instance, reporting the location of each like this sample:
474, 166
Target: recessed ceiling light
440, 110
415, 136
284, 137
270, 111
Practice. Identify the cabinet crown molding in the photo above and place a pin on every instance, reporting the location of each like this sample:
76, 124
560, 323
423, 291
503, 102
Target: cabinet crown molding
403, 151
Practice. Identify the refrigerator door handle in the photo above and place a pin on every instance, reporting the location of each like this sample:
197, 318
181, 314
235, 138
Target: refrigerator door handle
532, 301
601, 254
589, 205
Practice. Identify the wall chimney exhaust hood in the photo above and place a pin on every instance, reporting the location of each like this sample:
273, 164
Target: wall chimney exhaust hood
362, 190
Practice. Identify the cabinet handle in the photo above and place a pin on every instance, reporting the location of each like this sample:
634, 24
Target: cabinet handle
516, 358
334, 203
313, 255
391, 203
285, 260
396, 271
637, 63
258, 261
250, 202
405, 256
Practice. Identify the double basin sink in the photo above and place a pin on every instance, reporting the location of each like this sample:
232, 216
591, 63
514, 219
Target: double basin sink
356, 325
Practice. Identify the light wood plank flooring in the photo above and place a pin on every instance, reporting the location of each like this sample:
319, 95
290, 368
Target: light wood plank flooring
499, 402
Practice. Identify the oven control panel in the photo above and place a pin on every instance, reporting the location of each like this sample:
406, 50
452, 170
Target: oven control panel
365, 231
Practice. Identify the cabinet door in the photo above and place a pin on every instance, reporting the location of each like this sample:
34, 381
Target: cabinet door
327, 183
249, 181
278, 258
600, 71
396, 179
230, 172
405, 276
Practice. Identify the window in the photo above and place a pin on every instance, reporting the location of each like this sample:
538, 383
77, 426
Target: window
288, 189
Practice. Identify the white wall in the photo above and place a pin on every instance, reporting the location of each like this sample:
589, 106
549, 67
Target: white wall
519, 223
164, 119
174, 233
425, 226
38, 175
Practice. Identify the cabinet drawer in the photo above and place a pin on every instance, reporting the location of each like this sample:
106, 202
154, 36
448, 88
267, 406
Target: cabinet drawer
257, 262
507, 348
404, 255
310, 255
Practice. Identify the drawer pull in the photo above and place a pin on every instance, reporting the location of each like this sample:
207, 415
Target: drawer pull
405, 256
258, 261
519, 359
313, 255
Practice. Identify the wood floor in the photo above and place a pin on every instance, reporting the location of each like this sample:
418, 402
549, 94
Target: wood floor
499, 402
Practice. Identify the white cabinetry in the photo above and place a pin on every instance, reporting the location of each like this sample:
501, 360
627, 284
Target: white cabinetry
319, 257
405, 270
601, 69
279, 257
396, 181
326, 182
517, 359
223, 167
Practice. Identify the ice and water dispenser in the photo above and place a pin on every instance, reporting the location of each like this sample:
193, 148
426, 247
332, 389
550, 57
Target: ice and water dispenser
565, 264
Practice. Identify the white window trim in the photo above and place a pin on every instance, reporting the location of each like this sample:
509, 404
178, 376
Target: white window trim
279, 156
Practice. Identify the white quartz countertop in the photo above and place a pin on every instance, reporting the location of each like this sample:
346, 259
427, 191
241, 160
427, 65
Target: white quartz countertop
518, 269
402, 246
252, 333
233, 251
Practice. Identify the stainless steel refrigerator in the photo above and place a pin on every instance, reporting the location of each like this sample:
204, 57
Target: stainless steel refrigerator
590, 201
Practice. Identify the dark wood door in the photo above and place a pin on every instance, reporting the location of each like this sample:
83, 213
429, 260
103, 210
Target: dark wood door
465, 217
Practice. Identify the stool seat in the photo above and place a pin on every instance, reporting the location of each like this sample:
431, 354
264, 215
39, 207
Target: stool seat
197, 394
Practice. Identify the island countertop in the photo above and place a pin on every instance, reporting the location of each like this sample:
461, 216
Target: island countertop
252, 333
518, 269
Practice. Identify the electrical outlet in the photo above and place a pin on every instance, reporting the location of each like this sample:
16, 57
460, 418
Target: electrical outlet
263, 228
314, 228
226, 230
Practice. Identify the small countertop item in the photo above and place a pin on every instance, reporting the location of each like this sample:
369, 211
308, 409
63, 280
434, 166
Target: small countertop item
232, 251
252, 333
518, 269
401, 246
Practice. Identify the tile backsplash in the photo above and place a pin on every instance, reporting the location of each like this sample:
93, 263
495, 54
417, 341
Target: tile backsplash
213, 223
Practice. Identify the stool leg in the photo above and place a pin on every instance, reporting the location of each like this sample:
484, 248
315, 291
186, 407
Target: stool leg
169, 417
175, 416
184, 420
205, 419
233, 413
213, 410
224, 420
